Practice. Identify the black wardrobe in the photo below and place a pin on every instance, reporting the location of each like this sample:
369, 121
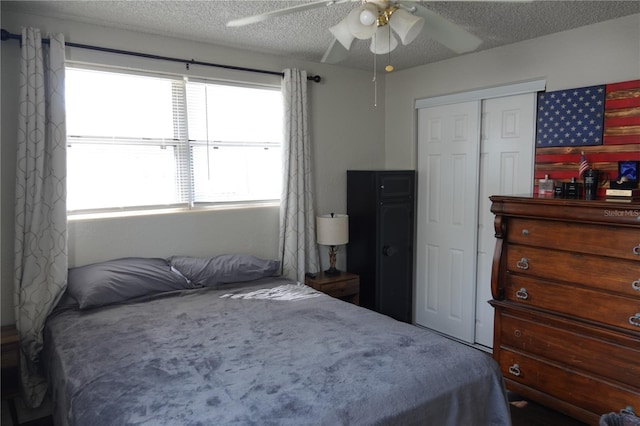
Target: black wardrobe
381, 209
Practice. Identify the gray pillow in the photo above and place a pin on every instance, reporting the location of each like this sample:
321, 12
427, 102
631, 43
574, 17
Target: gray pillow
119, 280
226, 268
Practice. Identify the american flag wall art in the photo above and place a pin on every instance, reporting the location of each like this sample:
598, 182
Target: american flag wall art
572, 117
622, 113
621, 140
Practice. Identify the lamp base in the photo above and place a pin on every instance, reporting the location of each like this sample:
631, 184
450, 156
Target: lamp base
332, 271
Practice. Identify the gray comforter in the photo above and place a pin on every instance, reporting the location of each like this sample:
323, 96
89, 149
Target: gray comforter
262, 353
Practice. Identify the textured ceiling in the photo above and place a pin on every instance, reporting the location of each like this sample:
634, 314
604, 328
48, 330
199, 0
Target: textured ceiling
305, 35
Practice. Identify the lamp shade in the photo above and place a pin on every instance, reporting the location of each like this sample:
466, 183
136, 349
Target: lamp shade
383, 41
342, 33
358, 30
332, 229
406, 25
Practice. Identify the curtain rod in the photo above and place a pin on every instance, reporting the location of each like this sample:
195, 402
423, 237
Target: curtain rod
6, 35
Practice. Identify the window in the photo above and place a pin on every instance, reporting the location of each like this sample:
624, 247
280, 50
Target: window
143, 141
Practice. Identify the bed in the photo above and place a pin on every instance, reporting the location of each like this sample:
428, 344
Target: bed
249, 349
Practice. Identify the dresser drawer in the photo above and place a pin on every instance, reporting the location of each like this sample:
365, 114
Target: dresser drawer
573, 345
602, 240
588, 392
617, 311
620, 276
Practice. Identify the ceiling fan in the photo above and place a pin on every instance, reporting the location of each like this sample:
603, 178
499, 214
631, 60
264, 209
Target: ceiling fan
379, 20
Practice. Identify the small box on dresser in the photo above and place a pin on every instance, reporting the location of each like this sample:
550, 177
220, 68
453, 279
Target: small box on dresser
566, 292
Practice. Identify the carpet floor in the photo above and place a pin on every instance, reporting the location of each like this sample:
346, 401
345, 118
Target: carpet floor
523, 413
527, 413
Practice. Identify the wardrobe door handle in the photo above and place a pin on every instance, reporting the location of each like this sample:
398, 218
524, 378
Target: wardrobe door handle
636, 285
515, 370
635, 319
389, 250
523, 263
636, 250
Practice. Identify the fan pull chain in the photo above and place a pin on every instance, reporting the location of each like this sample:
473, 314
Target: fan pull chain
389, 67
375, 81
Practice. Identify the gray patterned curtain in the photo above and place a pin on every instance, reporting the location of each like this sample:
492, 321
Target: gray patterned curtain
40, 209
298, 249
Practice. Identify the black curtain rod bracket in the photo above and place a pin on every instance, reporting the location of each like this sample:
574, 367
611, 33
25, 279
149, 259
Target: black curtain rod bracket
6, 35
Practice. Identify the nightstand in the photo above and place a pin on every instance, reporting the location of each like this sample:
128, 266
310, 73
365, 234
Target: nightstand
345, 285
10, 362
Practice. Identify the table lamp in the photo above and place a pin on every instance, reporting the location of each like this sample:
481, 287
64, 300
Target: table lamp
332, 230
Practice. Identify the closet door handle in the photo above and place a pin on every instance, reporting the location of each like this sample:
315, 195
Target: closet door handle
523, 263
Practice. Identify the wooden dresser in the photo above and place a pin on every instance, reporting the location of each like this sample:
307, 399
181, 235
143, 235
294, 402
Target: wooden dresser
566, 292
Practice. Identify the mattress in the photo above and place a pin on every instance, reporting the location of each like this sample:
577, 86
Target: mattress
265, 352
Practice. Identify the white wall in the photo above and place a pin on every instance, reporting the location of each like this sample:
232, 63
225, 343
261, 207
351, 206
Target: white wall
347, 133
602, 53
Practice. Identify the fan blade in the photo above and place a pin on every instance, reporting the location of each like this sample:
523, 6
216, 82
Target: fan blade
280, 12
335, 53
444, 31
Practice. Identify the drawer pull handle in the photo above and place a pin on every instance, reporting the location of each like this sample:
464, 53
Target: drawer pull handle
636, 250
636, 285
635, 320
515, 370
522, 294
523, 263
525, 232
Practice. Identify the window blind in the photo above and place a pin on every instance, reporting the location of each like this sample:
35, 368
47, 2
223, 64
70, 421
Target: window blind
147, 141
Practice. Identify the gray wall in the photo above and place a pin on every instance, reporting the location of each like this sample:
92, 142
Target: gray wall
347, 132
602, 53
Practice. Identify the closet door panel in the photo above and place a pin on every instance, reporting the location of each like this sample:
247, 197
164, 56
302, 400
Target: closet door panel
448, 158
506, 167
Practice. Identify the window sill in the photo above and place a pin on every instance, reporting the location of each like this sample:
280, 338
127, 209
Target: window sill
79, 217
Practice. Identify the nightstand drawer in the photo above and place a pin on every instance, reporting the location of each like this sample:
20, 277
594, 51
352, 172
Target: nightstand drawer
10, 362
340, 289
342, 286
9, 356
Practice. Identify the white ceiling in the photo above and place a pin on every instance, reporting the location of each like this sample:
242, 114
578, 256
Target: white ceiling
305, 35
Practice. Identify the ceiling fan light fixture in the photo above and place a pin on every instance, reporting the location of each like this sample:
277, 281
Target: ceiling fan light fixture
406, 25
358, 30
342, 33
383, 41
368, 16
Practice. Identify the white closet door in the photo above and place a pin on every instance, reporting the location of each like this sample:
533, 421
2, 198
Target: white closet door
448, 162
506, 168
